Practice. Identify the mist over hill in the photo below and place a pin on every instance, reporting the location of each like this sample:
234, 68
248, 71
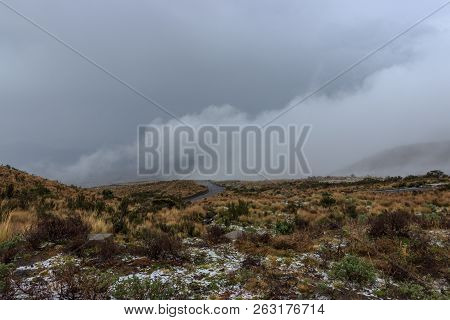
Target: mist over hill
403, 160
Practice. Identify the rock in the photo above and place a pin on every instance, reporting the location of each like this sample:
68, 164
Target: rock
100, 236
234, 235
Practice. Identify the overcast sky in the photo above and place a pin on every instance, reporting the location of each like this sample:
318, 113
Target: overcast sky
60, 116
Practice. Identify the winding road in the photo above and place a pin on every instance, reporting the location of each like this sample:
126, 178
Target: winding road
213, 189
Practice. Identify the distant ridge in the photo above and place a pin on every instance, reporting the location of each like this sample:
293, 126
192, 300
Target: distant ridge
403, 160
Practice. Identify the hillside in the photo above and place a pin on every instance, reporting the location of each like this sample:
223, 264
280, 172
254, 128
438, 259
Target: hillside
403, 160
294, 239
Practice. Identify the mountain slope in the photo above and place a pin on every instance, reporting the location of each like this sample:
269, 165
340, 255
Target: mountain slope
403, 160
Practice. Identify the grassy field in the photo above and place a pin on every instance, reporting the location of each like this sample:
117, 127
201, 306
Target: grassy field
318, 238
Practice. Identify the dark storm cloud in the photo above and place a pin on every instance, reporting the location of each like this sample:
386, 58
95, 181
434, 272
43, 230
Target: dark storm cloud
187, 55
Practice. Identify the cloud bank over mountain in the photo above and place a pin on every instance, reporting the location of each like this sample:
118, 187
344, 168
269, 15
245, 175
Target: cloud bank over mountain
227, 63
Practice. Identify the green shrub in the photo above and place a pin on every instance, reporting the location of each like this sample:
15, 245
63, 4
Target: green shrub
235, 211
411, 291
415, 291
107, 194
5, 281
284, 227
81, 203
350, 209
40, 191
118, 219
9, 192
135, 288
327, 200
9, 249
354, 269
71, 281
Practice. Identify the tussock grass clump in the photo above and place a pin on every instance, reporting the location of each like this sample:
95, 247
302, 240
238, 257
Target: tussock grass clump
97, 224
15, 223
235, 210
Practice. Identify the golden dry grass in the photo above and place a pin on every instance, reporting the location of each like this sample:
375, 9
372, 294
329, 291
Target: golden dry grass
97, 224
16, 222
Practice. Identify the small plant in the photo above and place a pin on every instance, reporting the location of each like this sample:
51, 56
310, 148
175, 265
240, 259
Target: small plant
55, 229
118, 219
107, 194
81, 203
303, 220
411, 291
390, 224
235, 211
215, 234
350, 209
284, 227
327, 200
73, 282
239, 209
333, 221
135, 288
354, 269
252, 261
159, 244
9, 249
9, 192
5, 281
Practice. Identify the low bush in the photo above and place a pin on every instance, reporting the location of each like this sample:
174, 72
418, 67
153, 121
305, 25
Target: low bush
333, 221
426, 257
215, 234
107, 194
52, 228
302, 221
327, 200
118, 219
390, 224
284, 227
9, 249
283, 243
252, 261
350, 209
5, 281
73, 282
235, 211
353, 269
9, 191
410, 291
159, 244
102, 251
258, 239
81, 203
135, 288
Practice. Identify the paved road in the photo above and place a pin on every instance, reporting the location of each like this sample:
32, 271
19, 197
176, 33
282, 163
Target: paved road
411, 189
213, 189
